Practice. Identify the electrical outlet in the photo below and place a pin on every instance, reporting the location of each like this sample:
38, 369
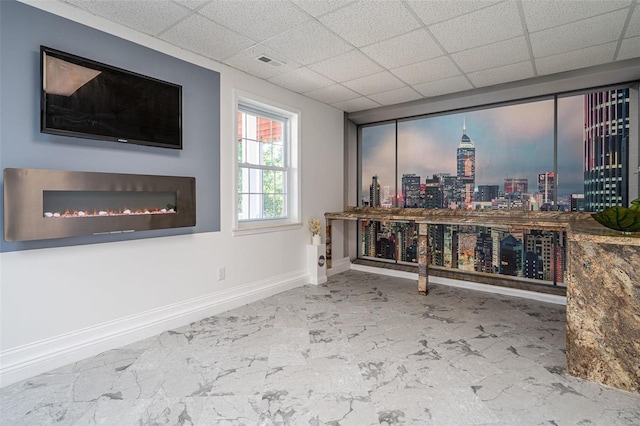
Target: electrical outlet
221, 273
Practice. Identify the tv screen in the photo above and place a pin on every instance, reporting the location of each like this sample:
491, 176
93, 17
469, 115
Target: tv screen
85, 98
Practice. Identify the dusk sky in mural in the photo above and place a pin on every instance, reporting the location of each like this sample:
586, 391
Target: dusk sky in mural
512, 141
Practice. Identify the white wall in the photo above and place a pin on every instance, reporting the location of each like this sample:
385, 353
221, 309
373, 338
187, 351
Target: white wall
59, 305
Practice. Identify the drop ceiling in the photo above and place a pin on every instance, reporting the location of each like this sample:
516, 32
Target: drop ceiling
358, 55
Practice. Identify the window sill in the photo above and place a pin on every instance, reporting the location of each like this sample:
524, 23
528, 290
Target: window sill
258, 228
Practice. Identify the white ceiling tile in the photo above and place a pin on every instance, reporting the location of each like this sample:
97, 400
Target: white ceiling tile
405, 49
493, 55
483, 39
443, 87
258, 20
543, 14
247, 61
577, 59
367, 22
148, 16
503, 74
200, 35
347, 66
432, 11
191, 4
332, 94
317, 8
634, 24
485, 26
630, 48
433, 69
302, 80
309, 43
375, 83
357, 104
577, 35
396, 96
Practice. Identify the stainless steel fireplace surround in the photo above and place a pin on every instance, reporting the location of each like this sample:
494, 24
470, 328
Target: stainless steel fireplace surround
43, 204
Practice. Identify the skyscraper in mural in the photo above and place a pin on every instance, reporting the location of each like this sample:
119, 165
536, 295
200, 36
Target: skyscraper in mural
606, 149
547, 188
466, 168
513, 185
411, 190
488, 192
433, 193
374, 192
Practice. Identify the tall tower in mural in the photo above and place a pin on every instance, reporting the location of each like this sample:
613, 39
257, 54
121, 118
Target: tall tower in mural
374, 192
606, 147
466, 170
547, 188
411, 190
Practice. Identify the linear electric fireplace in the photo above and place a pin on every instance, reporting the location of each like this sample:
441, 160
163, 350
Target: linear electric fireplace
43, 204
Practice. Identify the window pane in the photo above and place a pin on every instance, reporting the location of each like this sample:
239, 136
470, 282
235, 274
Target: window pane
243, 180
277, 155
268, 184
272, 155
255, 180
264, 130
243, 206
249, 127
378, 148
268, 207
279, 181
241, 153
279, 205
273, 206
241, 125
252, 151
255, 206
276, 131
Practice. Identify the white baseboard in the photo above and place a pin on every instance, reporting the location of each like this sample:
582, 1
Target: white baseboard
385, 271
318, 280
35, 358
339, 265
542, 297
534, 295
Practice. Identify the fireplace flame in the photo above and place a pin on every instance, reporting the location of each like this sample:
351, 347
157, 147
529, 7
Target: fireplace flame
102, 213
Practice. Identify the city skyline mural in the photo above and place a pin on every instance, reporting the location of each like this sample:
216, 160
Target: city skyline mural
514, 141
496, 158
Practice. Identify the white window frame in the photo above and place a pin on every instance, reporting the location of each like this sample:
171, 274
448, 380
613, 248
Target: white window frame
292, 165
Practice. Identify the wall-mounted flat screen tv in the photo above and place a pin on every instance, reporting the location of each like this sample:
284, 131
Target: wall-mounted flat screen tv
88, 99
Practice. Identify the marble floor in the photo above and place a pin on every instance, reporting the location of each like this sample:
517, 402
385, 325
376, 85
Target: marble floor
362, 349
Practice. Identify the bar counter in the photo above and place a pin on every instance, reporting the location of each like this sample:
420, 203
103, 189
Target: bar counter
603, 282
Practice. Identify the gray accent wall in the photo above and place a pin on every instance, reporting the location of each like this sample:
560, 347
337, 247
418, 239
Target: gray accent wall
22, 30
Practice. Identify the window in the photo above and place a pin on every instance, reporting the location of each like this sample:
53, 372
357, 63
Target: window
266, 166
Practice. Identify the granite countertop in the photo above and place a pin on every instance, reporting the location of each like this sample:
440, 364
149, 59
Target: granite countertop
539, 220
579, 226
602, 235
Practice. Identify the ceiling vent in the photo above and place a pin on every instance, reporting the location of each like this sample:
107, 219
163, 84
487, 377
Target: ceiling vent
268, 60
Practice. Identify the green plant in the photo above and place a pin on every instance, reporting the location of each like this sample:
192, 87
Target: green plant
621, 218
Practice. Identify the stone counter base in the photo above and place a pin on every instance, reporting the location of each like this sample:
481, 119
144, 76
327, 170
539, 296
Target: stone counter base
603, 313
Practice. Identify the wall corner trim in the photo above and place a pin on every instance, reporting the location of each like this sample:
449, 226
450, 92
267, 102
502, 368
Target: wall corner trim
35, 358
